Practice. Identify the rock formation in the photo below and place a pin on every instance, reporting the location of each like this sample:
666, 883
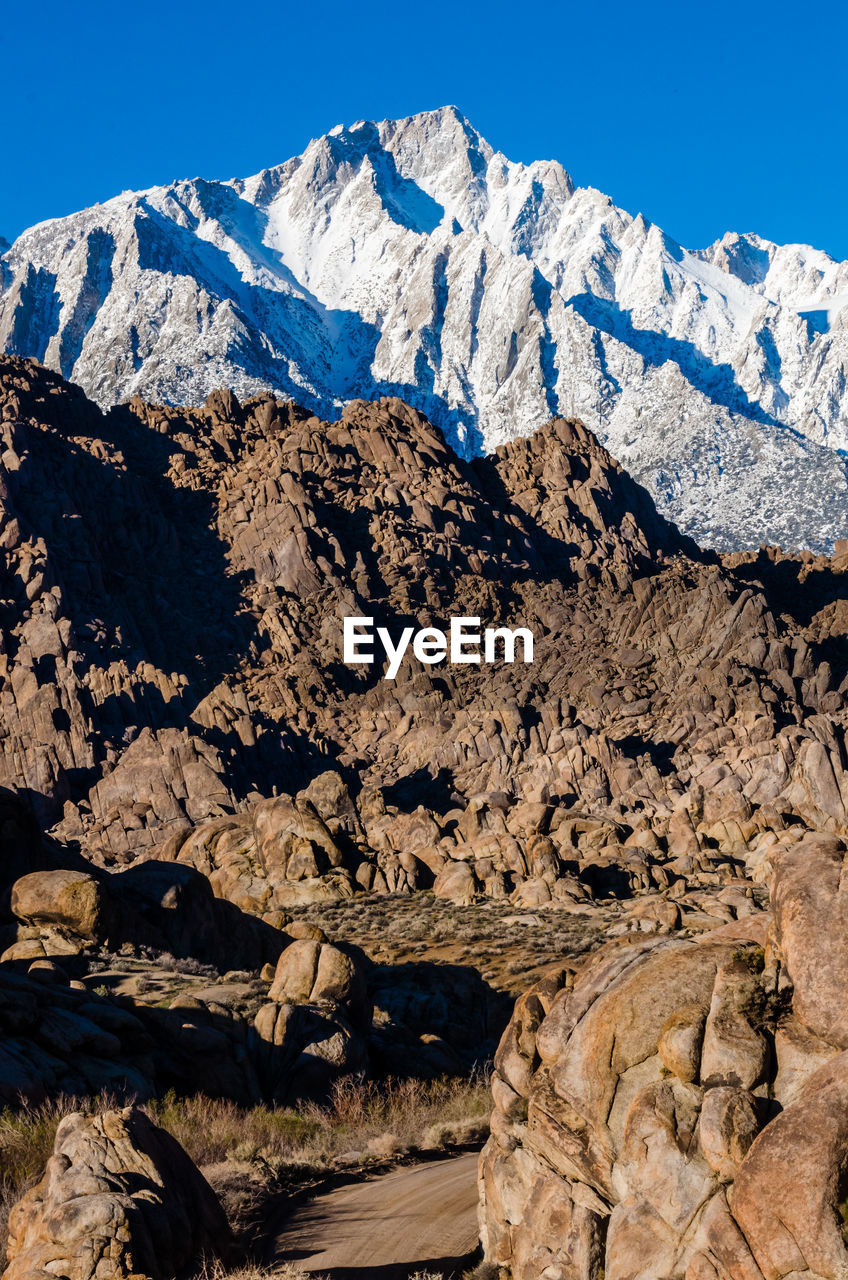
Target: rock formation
678, 709
408, 257
671, 766
316, 1020
119, 1198
142, 981
169, 908
676, 1108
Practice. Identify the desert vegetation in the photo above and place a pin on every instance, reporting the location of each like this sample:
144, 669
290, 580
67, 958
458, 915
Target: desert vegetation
300, 949
251, 1154
509, 947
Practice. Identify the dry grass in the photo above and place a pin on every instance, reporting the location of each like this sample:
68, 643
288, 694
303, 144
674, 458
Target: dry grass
278, 1147
486, 935
283, 1271
291, 1271
392, 1116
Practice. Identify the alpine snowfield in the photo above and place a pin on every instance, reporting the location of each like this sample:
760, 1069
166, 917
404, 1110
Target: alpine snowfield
409, 258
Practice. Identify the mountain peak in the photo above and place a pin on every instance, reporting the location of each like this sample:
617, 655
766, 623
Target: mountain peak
407, 257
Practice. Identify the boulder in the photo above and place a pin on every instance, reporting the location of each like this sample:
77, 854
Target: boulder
456, 882
314, 972
810, 897
304, 1049
72, 900
684, 1101
315, 1023
119, 1198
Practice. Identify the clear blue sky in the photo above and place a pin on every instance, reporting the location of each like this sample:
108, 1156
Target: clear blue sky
703, 116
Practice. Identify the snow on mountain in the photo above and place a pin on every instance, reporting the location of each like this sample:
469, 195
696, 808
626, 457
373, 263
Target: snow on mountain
408, 257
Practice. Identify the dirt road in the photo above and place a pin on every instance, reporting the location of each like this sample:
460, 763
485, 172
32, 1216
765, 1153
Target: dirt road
422, 1218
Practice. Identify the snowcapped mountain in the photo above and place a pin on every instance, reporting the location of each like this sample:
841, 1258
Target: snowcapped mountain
408, 257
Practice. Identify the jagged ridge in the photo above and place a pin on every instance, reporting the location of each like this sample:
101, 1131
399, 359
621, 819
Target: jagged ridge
174, 582
408, 258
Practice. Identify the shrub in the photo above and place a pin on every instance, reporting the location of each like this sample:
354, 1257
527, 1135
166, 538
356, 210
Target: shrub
285, 1146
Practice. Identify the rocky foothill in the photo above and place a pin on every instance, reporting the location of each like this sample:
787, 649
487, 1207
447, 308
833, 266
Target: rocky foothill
677, 1107
199, 797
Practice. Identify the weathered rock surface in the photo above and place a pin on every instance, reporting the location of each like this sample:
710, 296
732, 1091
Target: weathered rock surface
313, 972
678, 712
119, 1198
163, 906
680, 717
175, 708
316, 1020
73, 900
677, 1107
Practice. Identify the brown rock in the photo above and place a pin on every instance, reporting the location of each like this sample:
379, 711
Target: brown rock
70, 899
616, 1103
734, 1052
312, 972
680, 1041
787, 1192
119, 1197
656, 677
728, 1126
810, 906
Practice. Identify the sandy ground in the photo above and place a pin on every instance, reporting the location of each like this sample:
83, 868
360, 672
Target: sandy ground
422, 1218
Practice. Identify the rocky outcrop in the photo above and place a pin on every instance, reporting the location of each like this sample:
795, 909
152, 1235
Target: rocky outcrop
676, 699
676, 1107
282, 855
443, 1017
165, 907
175, 708
175, 704
316, 1021
119, 1198
279, 854
63, 1035
686, 707
78, 1019
59, 1039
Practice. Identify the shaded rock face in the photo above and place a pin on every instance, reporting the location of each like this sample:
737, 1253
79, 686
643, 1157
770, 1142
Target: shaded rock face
22, 848
162, 906
216, 1037
140, 681
444, 1018
60, 1036
119, 1198
317, 1019
60, 1040
173, 585
676, 1108
317, 1011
